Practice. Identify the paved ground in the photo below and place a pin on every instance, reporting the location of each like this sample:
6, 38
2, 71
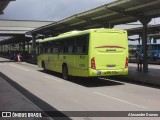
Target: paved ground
35, 90
150, 78
13, 100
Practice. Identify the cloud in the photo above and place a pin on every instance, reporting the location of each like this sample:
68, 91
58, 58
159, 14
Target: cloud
48, 9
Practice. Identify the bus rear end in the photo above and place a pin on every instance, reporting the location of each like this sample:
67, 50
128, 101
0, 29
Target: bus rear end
108, 52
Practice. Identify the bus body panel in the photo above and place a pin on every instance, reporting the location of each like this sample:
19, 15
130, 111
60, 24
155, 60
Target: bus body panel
110, 51
77, 65
108, 47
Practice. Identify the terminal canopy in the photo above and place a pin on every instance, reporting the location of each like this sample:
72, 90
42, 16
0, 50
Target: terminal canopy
152, 29
14, 40
19, 27
108, 15
3, 5
16, 29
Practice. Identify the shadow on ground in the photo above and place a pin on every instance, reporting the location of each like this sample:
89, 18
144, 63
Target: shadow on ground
87, 82
130, 81
6, 61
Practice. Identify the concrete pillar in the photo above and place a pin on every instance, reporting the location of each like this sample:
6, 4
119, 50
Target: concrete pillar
144, 22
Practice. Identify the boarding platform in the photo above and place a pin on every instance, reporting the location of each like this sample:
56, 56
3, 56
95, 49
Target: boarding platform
152, 77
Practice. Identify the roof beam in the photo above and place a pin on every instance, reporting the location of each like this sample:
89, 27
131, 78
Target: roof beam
131, 10
118, 12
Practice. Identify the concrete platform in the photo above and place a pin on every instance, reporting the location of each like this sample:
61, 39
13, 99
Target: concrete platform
13, 100
152, 77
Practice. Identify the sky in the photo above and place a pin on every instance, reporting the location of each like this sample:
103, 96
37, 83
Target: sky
48, 10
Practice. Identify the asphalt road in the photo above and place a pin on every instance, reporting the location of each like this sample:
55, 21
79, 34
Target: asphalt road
54, 93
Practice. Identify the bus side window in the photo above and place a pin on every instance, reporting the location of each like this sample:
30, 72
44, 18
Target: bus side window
51, 50
81, 45
50, 47
55, 47
65, 47
45, 46
70, 44
62, 46
48, 50
45, 50
41, 49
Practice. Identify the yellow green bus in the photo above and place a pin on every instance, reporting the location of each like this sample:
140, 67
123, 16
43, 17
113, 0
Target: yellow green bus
87, 53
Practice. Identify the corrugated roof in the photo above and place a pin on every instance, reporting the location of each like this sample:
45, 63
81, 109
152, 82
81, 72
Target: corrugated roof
3, 5
13, 40
108, 15
152, 29
16, 27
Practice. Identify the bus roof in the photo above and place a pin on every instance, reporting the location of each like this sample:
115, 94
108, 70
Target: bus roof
76, 33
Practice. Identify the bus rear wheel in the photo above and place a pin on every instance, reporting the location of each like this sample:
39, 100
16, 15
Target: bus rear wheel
65, 72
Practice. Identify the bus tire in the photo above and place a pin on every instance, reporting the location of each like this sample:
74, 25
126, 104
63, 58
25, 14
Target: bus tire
43, 66
65, 72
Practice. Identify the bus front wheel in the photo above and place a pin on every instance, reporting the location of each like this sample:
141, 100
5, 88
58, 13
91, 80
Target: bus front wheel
65, 72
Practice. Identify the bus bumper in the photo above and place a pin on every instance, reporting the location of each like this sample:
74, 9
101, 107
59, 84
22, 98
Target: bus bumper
93, 72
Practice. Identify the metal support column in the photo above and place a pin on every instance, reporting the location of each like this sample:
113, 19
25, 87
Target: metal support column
19, 45
4, 48
154, 40
8, 48
24, 45
144, 22
28, 46
110, 25
1, 48
34, 47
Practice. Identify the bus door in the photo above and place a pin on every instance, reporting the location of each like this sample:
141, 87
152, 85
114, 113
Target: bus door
51, 56
70, 56
81, 54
